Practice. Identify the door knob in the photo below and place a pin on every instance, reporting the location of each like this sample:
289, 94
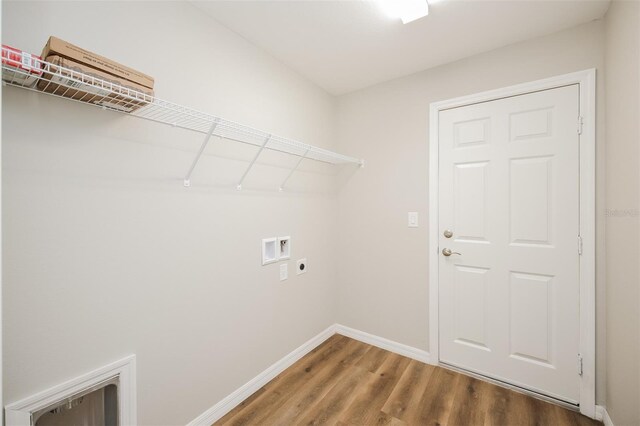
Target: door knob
447, 252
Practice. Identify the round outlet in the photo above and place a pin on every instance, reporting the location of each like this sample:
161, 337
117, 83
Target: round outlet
301, 266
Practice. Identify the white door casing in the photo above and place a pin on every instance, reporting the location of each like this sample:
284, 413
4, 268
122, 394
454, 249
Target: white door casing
512, 176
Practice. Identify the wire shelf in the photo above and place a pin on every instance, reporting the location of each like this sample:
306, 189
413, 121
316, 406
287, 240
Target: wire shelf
56, 80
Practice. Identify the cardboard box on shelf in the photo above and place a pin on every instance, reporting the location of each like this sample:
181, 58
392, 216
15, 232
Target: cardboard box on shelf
20, 67
64, 79
58, 47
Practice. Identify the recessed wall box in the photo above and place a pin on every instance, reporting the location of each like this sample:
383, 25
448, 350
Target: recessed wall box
284, 247
269, 251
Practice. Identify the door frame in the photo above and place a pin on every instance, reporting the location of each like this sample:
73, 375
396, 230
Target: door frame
587, 98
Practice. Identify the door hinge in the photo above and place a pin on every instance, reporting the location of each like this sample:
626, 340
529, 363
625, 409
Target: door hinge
579, 365
580, 124
579, 245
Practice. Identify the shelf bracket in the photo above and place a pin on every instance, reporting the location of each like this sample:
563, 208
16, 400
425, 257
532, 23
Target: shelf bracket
293, 170
246, 172
187, 178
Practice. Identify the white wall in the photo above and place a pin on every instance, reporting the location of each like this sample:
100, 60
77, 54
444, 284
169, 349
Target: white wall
383, 267
107, 254
622, 62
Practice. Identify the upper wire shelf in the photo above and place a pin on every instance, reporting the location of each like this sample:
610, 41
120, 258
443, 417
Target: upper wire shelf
70, 84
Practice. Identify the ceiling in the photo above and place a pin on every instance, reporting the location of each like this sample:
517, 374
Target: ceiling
347, 45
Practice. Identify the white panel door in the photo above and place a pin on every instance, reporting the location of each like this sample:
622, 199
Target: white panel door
508, 192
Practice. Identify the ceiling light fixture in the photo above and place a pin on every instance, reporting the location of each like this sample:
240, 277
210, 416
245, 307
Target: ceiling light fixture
407, 10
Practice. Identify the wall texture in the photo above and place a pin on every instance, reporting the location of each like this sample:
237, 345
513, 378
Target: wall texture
622, 62
107, 254
383, 265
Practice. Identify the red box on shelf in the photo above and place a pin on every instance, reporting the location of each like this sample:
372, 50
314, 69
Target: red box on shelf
21, 68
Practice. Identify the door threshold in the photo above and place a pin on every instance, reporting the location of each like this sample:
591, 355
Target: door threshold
528, 392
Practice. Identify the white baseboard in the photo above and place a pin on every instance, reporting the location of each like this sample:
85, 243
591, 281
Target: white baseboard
381, 342
216, 412
603, 415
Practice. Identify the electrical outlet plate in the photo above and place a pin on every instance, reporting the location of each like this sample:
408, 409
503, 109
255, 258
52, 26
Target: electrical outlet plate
301, 266
284, 271
413, 219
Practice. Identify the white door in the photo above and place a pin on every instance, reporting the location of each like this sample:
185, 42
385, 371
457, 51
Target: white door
508, 193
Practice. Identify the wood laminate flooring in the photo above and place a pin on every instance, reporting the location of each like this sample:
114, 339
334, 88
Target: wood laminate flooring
347, 382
